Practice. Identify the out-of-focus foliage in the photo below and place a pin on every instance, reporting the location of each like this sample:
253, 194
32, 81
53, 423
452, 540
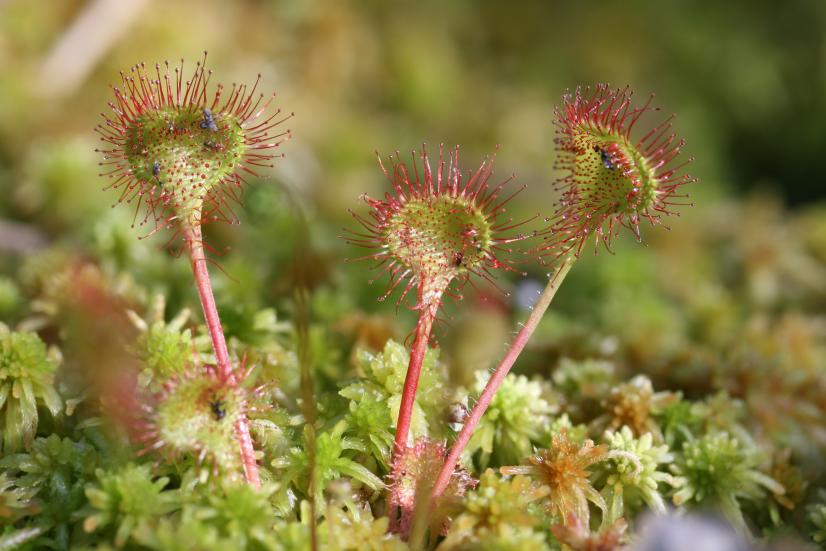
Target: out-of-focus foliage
126, 501
26, 381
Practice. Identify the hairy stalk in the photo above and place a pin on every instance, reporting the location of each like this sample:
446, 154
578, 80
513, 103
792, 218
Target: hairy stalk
498, 375
429, 301
429, 305
194, 241
195, 245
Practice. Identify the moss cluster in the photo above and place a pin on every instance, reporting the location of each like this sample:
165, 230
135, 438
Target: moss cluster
27, 373
695, 421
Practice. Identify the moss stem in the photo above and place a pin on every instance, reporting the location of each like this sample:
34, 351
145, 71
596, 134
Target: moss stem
195, 245
498, 376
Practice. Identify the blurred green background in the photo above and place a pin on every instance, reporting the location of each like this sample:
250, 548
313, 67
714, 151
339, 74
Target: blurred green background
747, 79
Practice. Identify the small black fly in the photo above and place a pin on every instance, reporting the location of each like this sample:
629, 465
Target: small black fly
217, 407
156, 171
458, 258
606, 158
209, 121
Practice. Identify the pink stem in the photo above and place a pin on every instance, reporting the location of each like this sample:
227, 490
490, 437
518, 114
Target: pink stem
194, 240
424, 326
498, 376
411, 380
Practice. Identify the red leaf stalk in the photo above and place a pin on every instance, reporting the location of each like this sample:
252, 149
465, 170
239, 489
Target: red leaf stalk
194, 241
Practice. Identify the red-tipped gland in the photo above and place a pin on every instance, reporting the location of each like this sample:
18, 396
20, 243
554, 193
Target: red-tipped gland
180, 151
613, 178
437, 227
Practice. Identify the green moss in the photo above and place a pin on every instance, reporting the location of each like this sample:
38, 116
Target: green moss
356, 531
333, 460
27, 371
634, 473
497, 511
127, 500
816, 516
518, 418
166, 349
718, 470
51, 476
369, 420
383, 382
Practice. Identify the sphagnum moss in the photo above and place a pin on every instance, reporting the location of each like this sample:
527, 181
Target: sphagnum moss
564, 467
720, 471
27, 371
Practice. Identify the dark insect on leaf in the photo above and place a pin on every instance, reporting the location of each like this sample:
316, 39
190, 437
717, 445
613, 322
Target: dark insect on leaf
217, 407
458, 257
606, 158
209, 121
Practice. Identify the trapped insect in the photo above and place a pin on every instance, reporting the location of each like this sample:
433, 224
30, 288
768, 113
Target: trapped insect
209, 121
217, 407
606, 158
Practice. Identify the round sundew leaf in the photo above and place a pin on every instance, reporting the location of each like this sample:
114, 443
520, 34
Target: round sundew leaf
438, 227
179, 151
440, 235
196, 414
612, 177
173, 150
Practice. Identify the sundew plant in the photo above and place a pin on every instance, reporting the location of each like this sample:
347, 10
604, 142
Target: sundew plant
263, 398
